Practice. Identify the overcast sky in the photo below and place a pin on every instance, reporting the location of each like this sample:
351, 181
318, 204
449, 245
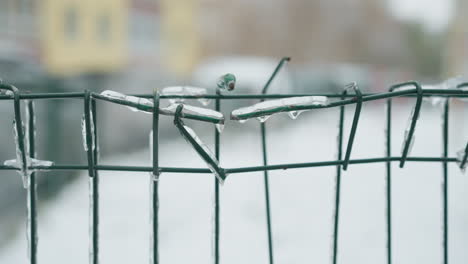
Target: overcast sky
433, 13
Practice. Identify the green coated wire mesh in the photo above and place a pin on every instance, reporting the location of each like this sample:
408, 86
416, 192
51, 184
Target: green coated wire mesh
293, 104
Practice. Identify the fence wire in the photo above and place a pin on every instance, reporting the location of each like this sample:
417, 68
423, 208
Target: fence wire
27, 165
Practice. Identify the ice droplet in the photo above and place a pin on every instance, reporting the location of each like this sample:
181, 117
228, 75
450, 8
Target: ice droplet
263, 119
220, 128
242, 121
295, 114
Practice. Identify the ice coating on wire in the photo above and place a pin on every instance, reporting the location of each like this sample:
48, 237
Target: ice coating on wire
83, 132
185, 91
461, 157
205, 148
91, 223
407, 130
135, 103
153, 176
24, 169
451, 83
294, 104
189, 110
464, 87
146, 106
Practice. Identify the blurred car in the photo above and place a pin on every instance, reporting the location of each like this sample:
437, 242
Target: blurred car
329, 78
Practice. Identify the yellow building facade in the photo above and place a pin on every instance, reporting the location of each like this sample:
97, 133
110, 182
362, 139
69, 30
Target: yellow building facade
83, 35
181, 35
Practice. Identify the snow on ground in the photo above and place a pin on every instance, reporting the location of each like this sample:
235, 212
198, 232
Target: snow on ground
302, 199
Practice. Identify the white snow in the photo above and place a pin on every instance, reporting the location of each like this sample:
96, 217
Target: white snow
302, 199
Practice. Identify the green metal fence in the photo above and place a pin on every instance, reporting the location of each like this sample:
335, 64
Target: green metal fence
25, 142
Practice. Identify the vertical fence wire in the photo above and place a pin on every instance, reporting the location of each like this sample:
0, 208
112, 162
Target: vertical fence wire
31, 191
155, 182
267, 195
265, 162
95, 181
445, 128
92, 153
388, 167
338, 187
216, 190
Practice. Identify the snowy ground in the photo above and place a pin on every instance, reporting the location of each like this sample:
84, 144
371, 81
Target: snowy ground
301, 199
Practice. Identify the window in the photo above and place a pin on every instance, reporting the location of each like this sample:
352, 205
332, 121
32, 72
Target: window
71, 23
104, 27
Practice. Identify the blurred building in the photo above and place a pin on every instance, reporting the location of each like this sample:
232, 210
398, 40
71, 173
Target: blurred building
83, 35
18, 33
457, 56
144, 39
181, 33
318, 31
69, 37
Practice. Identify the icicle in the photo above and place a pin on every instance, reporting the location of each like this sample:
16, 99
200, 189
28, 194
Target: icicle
460, 156
242, 121
263, 119
295, 114
281, 105
220, 128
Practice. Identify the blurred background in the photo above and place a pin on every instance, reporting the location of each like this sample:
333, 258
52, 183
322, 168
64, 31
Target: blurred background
134, 46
